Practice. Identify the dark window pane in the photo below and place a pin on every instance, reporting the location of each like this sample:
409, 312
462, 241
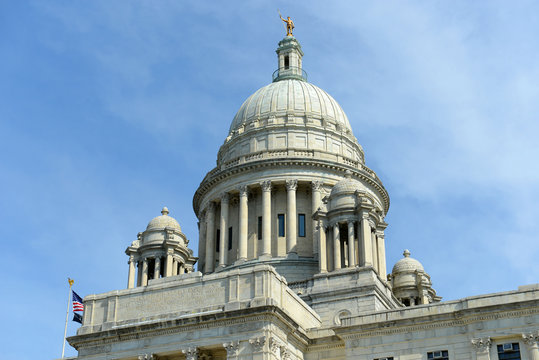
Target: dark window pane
217, 240
509, 351
230, 238
301, 225
280, 217
260, 228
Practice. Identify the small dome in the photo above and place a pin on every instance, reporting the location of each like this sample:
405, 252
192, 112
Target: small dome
163, 221
346, 185
407, 264
281, 97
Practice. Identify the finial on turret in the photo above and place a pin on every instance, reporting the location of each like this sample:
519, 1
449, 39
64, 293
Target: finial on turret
406, 253
164, 211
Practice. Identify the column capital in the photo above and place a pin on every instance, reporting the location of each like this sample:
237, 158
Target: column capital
231, 348
211, 206
316, 185
191, 353
244, 190
266, 185
481, 344
291, 184
531, 339
258, 343
275, 346
225, 197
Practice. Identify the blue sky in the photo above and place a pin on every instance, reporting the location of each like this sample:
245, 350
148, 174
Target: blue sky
111, 109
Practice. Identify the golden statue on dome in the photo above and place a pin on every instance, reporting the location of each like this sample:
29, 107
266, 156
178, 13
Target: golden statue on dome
289, 24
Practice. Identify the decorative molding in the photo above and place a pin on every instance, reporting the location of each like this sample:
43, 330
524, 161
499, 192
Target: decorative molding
291, 185
191, 353
481, 344
258, 343
231, 348
266, 185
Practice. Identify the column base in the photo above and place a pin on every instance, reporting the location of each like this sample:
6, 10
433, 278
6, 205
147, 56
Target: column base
240, 261
220, 268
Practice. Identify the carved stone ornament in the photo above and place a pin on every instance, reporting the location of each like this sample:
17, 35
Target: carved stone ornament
275, 346
232, 348
191, 353
258, 343
243, 190
266, 185
531, 339
481, 344
315, 185
291, 185
285, 353
147, 357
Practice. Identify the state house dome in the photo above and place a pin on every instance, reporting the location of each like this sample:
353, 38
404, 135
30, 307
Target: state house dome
290, 96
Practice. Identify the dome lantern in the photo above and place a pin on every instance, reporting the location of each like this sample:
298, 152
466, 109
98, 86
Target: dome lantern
289, 56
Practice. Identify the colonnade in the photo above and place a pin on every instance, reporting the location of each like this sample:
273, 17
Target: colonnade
370, 242
208, 221
172, 267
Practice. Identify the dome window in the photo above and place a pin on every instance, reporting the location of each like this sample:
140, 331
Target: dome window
286, 62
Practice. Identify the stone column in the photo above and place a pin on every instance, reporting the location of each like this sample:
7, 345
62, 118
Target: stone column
243, 218
266, 218
182, 269
365, 240
316, 200
322, 261
168, 265
139, 273
351, 244
210, 238
532, 343
291, 223
174, 267
201, 240
131, 275
382, 269
157, 267
482, 348
144, 281
336, 247
223, 246
374, 245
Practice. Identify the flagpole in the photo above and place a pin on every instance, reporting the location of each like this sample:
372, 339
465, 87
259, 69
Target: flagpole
70, 281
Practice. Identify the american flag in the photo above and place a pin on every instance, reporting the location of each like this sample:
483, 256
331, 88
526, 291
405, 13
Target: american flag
77, 302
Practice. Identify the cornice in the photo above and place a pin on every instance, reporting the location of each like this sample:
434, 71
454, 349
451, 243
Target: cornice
269, 313
216, 175
453, 319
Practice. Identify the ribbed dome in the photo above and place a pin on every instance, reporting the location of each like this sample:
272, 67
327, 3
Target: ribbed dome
290, 96
407, 264
346, 185
163, 221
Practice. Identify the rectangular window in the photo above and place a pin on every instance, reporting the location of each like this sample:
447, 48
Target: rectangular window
280, 220
438, 355
217, 240
301, 225
260, 228
286, 62
386, 358
509, 351
230, 238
